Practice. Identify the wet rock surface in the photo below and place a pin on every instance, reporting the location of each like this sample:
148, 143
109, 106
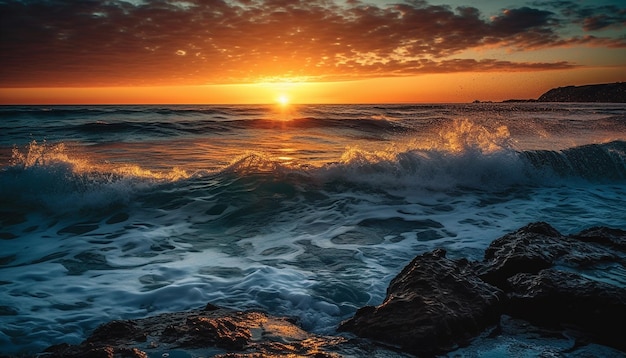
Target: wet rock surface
213, 332
533, 286
535, 274
432, 306
554, 298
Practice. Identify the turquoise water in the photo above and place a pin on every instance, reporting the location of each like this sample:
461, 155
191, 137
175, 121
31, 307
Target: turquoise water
114, 212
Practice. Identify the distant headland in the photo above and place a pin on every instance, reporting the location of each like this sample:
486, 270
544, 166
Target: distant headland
602, 93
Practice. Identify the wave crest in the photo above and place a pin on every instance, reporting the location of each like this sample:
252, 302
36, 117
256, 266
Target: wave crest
592, 162
53, 177
431, 169
463, 135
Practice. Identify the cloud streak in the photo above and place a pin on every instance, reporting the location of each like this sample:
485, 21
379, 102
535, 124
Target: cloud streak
166, 42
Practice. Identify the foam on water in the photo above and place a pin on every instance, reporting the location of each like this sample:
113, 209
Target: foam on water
310, 238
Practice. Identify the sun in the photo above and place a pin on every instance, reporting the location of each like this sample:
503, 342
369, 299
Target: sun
282, 99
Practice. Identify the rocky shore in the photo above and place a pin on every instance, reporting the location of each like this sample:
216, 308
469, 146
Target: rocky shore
534, 282
535, 274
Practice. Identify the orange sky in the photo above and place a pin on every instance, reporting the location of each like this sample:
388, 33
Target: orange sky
320, 51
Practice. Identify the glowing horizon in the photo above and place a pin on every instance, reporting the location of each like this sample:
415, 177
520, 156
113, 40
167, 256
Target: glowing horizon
457, 88
244, 52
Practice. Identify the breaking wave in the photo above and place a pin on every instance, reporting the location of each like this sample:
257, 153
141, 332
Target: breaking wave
52, 177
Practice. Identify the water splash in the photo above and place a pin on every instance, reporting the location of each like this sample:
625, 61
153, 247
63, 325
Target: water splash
47, 155
56, 177
463, 135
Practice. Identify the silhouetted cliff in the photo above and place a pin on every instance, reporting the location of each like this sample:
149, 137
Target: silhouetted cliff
607, 93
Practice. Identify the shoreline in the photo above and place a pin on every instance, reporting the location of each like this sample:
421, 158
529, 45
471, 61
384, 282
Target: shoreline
529, 283
595, 93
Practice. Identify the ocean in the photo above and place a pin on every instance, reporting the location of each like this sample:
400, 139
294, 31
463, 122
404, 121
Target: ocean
118, 212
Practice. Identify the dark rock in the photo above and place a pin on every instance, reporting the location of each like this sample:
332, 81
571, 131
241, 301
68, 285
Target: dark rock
542, 270
433, 305
538, 246
520, 251
605, 236
115, 331
515, 100
604, 93
518, 338
211, 307
554, 298
534, 273
228, 332
65, 350
563, 283
213, 332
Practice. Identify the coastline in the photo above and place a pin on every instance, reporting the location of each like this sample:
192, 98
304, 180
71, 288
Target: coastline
594, 93
534, 281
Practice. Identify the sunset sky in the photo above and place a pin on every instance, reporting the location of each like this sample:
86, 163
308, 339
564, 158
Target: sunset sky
315, 51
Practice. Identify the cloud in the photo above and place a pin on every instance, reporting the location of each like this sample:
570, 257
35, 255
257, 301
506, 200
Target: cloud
515, 21
161, 42
613, 18
590, 18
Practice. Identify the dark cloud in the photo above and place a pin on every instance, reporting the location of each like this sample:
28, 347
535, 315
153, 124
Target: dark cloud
515, 21
590, 17
160, 42
613, 18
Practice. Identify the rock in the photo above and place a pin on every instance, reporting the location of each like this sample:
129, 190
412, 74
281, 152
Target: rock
535, 274
538, 246
211, 327
115, 331
214, 332
606, 236
64, 350
432, 306
604, 93
518, 338
521, 251
542, 271
555, 298
572, 284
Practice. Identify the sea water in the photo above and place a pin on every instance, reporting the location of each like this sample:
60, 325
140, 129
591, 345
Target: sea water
119, 212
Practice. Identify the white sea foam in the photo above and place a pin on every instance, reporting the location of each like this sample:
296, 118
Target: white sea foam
315, 237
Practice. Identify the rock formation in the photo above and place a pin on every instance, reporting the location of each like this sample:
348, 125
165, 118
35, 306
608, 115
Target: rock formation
433, 305
603, 93
536, 275
212, 332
